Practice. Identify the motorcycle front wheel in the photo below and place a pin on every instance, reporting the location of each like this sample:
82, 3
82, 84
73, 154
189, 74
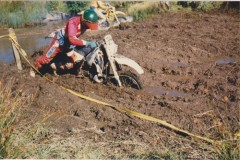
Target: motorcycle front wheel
129, 79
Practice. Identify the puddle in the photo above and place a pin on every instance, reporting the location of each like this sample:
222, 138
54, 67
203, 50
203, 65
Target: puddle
31, 39
162, 91
29, 44
226, 61
6, 53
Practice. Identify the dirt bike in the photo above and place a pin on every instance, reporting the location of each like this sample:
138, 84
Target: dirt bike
113, 17
104, 65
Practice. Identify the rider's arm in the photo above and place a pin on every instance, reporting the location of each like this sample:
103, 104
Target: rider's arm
73, 34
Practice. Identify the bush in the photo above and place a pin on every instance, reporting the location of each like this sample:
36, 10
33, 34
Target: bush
74, 7
207, 6
200, 6
142, 10
56, 6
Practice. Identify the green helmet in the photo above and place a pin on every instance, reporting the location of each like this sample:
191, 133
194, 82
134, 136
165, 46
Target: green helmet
90, 16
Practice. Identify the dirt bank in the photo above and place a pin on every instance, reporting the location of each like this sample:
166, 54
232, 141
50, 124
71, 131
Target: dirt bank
191, 64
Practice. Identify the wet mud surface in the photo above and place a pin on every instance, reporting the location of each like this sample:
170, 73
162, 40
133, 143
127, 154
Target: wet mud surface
191, 64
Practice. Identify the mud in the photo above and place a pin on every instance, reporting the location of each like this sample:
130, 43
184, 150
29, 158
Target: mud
191, 63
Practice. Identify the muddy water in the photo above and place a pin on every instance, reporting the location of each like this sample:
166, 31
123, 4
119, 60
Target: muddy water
31, 39
226, 61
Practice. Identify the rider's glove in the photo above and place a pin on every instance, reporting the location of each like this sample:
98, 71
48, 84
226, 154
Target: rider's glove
91, 44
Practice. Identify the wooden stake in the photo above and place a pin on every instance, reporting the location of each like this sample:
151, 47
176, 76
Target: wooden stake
15, 51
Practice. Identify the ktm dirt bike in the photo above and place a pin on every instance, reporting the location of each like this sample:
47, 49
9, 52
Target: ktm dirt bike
104, 65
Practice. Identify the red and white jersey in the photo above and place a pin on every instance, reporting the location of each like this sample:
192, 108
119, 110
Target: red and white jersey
73, 30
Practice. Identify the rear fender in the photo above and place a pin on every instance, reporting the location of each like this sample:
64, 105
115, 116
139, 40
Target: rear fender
128, 62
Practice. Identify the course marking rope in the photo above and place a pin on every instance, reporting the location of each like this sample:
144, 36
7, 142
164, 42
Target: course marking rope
130, 112
7, 36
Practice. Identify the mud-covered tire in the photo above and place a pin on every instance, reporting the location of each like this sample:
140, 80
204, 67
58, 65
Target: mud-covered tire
129, 79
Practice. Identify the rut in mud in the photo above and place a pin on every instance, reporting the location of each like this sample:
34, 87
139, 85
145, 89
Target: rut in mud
191, 64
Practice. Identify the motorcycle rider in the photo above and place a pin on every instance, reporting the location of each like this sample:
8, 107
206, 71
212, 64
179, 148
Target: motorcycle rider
67, 40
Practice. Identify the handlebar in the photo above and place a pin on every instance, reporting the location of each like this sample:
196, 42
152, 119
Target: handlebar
99, 42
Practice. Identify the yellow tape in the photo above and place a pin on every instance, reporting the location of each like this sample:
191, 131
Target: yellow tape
130, 112
142, 116
4, 36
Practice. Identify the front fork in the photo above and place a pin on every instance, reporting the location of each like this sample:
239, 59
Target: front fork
116, 76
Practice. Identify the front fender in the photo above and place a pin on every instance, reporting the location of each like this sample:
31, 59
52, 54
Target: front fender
129, 62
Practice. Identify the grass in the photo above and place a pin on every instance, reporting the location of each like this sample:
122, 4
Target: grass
227, 146
20, 13
229, 149
142, 10
75, 147
208, 6
24, 13
10, 107
16, 139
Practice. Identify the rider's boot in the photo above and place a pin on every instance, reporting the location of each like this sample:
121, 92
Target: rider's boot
32, 73
54, 68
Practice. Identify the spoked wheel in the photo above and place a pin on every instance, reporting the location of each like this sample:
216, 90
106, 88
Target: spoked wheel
129, 79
